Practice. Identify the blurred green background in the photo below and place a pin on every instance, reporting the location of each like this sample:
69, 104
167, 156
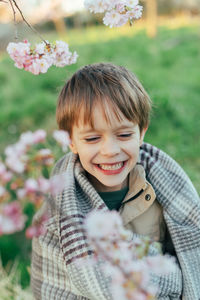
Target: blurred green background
168, 67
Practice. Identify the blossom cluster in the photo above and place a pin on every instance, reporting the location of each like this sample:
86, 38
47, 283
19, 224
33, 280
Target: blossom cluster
41, 57
117, 12
24, 178
11, 218
125, 256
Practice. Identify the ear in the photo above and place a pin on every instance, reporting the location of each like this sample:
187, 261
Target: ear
142, 134
72, 147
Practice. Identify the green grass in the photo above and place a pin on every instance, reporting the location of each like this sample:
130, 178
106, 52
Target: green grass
168, 67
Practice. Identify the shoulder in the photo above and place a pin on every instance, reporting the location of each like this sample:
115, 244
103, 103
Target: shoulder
163, 172
152, 158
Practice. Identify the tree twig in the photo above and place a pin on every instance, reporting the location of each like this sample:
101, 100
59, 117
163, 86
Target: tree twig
14, 16
27, 23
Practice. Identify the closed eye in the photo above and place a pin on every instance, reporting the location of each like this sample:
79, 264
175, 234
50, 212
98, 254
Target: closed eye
125, 135
92, 139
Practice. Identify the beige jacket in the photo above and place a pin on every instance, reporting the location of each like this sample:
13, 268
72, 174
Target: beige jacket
140, 211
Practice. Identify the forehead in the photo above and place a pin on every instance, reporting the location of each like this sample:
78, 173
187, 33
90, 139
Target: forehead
102, 117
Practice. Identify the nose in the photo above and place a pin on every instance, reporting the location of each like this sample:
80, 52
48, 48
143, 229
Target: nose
110, 147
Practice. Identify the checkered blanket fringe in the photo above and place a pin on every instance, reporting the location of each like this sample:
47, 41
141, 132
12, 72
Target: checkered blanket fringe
55, 274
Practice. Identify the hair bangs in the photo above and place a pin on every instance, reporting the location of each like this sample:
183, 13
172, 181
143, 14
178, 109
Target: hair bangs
114, 88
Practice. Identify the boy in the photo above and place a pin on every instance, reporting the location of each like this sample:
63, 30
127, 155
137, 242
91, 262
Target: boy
106, 111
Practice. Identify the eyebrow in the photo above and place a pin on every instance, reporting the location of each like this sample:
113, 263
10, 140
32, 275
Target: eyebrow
115, 129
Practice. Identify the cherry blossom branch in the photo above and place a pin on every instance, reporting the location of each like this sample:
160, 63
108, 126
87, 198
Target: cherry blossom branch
124, 257
24, 178
40, 58
37, 59
117, 13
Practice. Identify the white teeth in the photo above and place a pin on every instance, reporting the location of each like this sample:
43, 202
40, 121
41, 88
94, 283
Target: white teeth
111, 167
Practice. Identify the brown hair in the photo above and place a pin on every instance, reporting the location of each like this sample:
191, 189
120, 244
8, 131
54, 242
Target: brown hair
112, 86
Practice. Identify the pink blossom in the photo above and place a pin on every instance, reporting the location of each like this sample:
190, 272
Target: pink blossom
7, 226
98, 6
61, 47
73, 58
40, 48
15, 164
118, 292
20, 49
112, 18
129, 271
11, 218
62, 137
9, 151
121, 253
6, 177
45, 152
37, 66
34, 67
135, 13
44, 65
21, 146
2, 191
137, 294
27, 138
120, 7
20, 53
19, 63
31, 232
100, 224
89, 5
11, 209
44, 185
41, 57
2, 168
131, 3
21, 193
39, 136
62, 55
31, 185
117, 12
45, 156
17, 149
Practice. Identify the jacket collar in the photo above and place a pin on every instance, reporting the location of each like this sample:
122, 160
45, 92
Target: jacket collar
137, 181
140, 196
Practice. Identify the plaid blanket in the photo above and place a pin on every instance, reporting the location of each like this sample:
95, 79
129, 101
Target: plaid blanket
54, 273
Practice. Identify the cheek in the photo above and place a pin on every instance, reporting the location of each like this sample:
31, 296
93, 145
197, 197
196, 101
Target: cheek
85, 157
132, 149
133, 145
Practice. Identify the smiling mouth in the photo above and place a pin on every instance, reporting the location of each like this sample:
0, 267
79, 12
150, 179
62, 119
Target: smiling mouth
113, 168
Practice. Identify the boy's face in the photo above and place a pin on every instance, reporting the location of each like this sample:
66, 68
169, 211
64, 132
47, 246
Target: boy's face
108, 152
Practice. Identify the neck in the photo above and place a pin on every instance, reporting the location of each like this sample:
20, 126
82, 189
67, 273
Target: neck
103, 188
